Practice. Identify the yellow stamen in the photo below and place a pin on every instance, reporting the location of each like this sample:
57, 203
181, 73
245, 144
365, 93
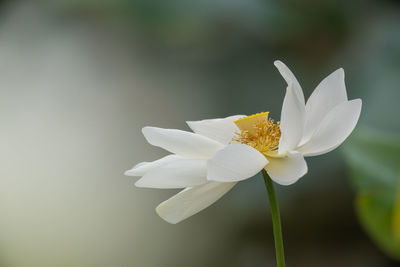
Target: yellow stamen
260, 132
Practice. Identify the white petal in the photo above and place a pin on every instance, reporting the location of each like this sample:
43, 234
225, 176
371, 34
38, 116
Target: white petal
292, 121
287, 170
328, 94
221, 130
289, 77
182, 143
234, 163
334, 129
143, 167
177, 174
192, 200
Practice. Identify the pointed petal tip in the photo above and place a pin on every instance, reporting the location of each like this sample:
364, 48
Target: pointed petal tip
289, 182
159, 211
191, 200
182, 143
128, 173
146, 129
135, 171
150, 129
144, 183
334, 129
339, 72
357, 101
139, 184
221, 130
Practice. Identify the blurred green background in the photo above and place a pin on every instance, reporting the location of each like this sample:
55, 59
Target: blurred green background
80, 78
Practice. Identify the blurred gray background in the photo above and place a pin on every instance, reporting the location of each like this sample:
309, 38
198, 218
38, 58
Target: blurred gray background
79, 79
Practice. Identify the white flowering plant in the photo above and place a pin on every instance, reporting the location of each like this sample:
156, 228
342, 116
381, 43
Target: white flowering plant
219, 153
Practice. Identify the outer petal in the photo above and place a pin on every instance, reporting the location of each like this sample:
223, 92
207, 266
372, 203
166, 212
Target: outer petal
287, 170
192, 200
221, 130
177, 174
143, 167
182, 143
234, 163
290, 79
328, 94
292, 121
334, 129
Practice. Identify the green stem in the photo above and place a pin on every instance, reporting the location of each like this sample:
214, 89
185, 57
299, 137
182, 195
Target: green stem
276, 221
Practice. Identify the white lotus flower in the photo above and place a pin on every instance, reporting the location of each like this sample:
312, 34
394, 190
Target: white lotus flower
222, 152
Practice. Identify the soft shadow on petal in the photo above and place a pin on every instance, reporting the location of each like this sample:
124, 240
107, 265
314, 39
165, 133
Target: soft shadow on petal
292, 121
221, 130
192, 200
140, 169
334, 129
182, 143
289, 77
234, 163
287, 170
178, 174
328, 94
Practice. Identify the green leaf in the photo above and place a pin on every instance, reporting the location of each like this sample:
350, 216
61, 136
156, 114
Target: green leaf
374, 161
396, 218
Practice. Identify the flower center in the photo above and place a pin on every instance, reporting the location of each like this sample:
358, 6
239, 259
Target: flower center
260, 132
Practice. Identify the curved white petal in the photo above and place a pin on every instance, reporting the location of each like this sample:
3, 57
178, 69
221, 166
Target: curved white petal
287, 170
234, 163
334, 129
292, 121
182, 143
289, 77
221, 130
141, 168
328, 94
177, 174
192, 200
